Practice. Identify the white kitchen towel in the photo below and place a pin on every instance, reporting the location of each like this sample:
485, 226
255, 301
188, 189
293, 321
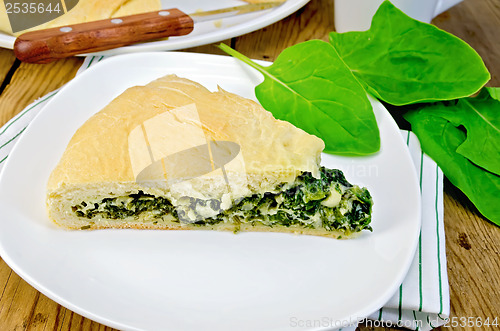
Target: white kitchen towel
422, 300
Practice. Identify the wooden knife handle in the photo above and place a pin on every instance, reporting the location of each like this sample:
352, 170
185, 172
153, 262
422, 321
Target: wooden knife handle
48, 45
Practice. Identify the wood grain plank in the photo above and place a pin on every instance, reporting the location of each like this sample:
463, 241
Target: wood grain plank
5, 274
37, 312
16, 304
467, 21
208, 49
7, 59
473, 254
313, 21
45, 314
32, 81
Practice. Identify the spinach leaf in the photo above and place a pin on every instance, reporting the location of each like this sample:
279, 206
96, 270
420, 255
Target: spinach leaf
309, 86
480, 116
440, 139
402, 61
494, 92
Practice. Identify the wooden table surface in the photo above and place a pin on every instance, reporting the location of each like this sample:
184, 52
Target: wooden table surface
472, 243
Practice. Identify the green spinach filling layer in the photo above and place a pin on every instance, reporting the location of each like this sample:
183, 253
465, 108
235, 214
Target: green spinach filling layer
328, 202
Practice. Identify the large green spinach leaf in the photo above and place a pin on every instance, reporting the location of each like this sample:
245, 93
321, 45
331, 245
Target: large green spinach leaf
402, 61
440, 139
480, 116
309, 86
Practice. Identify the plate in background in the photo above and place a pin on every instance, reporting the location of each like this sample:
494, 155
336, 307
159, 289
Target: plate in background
199, 280
204, 32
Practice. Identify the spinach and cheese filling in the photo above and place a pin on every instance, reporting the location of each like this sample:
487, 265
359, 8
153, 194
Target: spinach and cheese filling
329, 202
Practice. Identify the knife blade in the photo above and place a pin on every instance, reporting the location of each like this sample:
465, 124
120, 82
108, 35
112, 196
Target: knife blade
44, 46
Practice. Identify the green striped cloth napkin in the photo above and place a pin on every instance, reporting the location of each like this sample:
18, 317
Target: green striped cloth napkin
422, 302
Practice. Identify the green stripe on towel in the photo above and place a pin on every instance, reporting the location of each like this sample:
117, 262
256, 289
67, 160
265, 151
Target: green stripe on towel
438, 243
26, 111
13, 138
420, 240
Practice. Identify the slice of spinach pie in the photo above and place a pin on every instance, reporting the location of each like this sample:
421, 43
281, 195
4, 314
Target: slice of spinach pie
173, 155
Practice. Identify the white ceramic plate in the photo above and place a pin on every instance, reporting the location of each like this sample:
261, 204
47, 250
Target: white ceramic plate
204, 32
202, 280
